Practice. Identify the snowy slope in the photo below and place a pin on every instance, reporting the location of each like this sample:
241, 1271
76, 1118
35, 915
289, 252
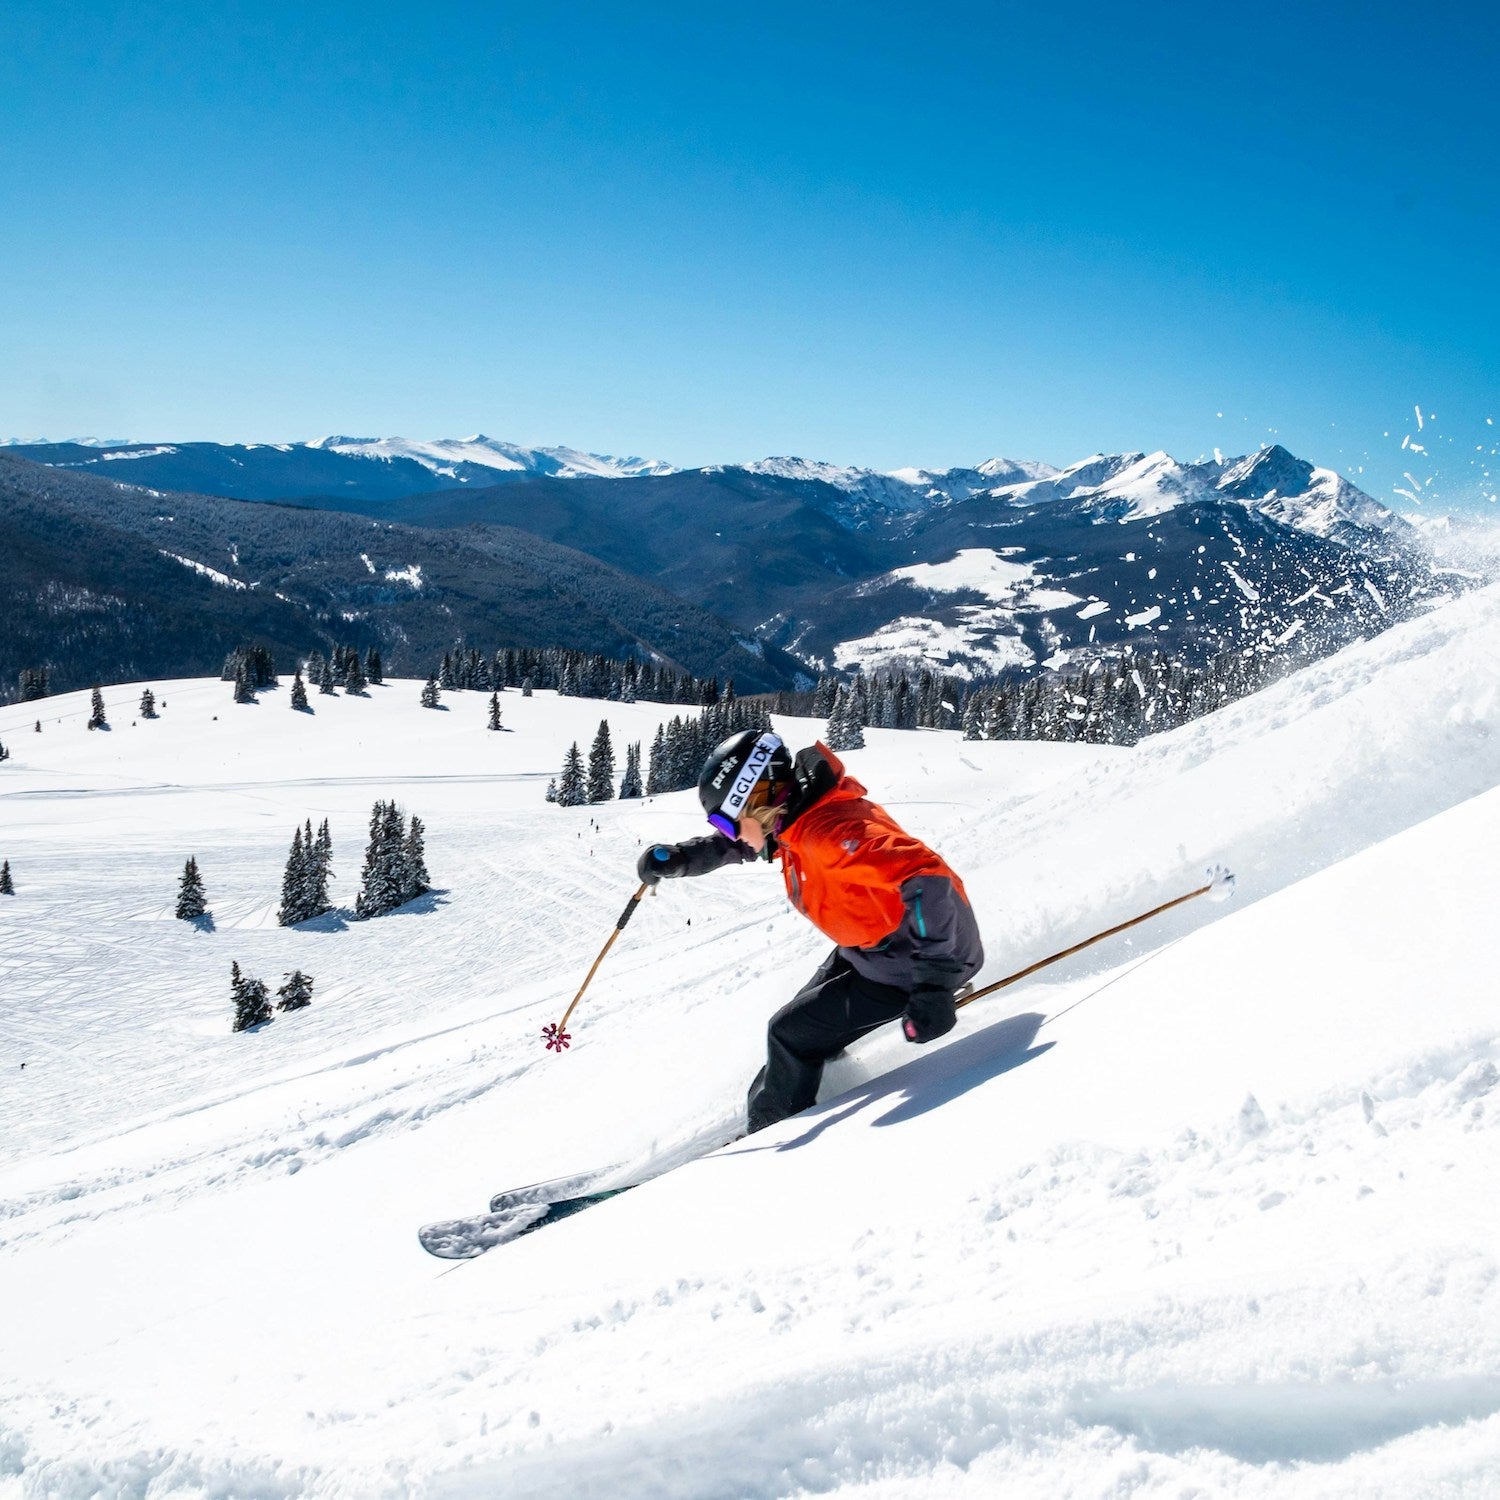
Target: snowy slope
1217, 1219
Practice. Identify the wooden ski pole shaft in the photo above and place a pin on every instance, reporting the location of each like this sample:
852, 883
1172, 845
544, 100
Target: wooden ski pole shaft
1222, 882
557, 1036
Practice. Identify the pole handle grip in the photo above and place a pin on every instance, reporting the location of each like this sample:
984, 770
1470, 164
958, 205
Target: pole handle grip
630, 907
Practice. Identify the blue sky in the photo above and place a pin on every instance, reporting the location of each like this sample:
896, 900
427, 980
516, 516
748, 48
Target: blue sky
873, 234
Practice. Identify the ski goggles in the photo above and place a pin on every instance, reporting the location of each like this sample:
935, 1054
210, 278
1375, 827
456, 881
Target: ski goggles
747, 779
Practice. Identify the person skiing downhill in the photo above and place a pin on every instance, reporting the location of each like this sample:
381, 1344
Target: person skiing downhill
904, 933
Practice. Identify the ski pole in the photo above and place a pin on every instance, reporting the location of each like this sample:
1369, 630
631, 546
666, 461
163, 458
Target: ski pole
557, 1035
1219, 888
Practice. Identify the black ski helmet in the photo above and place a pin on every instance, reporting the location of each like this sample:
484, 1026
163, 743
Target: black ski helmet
733, 769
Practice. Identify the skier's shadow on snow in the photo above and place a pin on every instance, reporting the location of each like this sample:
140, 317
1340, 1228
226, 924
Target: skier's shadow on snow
930, 1082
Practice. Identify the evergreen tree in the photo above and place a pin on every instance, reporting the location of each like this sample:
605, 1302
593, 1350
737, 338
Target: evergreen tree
526, 686
7, 885
383, 878
296, 992
299, 693
33, 684
847, 723
148, 704
656, 777
354, 676
973, 717
494, 711
192, 900
96, 711
325, 679
4, 753
446, 677
317, 861
630, 782
414, 877
572, 788
374, 667
252, 1003
430, 693
601, 785
243, 692
552, 789
294, 884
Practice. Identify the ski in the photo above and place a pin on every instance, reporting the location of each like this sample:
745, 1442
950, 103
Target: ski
523, 1210
464, 1239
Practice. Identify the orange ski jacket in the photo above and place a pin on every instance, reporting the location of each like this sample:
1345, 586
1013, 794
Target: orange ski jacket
845, 860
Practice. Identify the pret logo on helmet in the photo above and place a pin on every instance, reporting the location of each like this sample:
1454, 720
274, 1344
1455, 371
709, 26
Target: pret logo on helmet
740, 767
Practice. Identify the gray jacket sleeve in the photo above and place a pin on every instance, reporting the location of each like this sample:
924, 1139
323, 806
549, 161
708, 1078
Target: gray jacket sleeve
712, 852
937, 945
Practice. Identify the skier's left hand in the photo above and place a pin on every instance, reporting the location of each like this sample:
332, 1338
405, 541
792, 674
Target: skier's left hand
659, 862
929, 1014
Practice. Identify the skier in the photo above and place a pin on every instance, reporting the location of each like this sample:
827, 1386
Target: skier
905, 933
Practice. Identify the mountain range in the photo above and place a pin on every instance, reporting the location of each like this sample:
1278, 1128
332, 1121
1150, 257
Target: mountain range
1005, 565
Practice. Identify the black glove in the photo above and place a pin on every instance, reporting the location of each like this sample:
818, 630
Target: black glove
929, 1014
659, 862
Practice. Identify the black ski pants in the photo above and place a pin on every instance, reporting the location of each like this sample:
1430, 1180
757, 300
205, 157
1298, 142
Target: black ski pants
838, 1005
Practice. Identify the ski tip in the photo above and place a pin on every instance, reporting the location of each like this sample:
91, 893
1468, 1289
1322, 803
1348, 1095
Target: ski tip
1220, 882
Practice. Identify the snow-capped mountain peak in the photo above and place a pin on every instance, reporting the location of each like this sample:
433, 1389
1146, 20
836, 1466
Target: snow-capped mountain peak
445, 455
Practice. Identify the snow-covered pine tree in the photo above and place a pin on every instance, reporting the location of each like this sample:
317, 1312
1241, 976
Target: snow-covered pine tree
299, 693
374, 667
552, 789
318, 852
446, 677
293, 907
296, 992
325, 680
148, 704
656, 776
7, 885
33, 684
243, 691
252, 1003
601, 787
430, 693
96, 710
192, 899
973, 717
494, 711
414, 877
845, 732
4, 753
572, 787
382, 879
526, 686
630, 782
354, 675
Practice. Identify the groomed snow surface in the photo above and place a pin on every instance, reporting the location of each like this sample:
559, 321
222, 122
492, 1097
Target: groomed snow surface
1207, 1210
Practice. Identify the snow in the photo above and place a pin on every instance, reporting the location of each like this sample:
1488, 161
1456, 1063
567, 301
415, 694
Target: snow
1207, 1209
1243, 584
411, 573
222, 579
136, 453
962, 647
441, 455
